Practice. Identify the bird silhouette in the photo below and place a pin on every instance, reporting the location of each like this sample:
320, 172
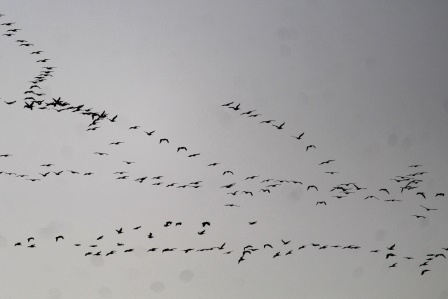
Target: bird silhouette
310, 146
164, 139
59, 238
321, 202
428, 209
280, 127
181, 148
312, 186
299, 137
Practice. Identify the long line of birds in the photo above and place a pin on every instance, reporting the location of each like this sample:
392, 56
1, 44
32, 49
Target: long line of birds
34, 100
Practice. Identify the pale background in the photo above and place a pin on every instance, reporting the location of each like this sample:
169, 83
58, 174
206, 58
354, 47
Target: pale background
365, 80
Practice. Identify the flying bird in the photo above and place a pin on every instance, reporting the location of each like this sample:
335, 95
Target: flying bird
299, 137
310, 146
163, 139
59, 238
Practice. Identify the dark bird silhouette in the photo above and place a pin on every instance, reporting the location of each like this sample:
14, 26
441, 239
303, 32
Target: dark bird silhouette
110, 252
280, 127
231, 205
149, 133
32, 246
252, 223
228, 186
371, 196
116, 143
134, 127
389, 255
188, 250
128, 162
440, 194
140, 180
321, 202
153, 249
276, 255
385, 190
310, 146
299, 137
228, 104
30, 238
422, 194
10, 103
193, 155
391, 247
267, 121
168, 223
59, 238
113, 119
285, 242
331, 172
236, 108
99, 238
418, 216
326, 162
424, 271
267, 245
205, 223
226, 172
265, 190
201, 232
18, 244
181, 148
248, 192
428, 209
129, 250
163, 139
311, 186
43, 60
58, 172
150, 236
440, 254
213, 164
168, 249
119, 231
393, 265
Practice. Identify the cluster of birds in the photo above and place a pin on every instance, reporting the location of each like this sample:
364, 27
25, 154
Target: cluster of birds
281, 248
35, 100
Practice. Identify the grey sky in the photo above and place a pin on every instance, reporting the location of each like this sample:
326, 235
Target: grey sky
365, 81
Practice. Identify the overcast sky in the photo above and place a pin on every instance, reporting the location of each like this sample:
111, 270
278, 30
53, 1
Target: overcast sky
365, 81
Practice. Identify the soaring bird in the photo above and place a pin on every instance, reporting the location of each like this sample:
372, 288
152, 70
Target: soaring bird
201, 232
276, 255
228, 104
99, 238
149, 133
226, 172
119, 231
428, 209
10, 103
310, 146
424, 271
163, 139
311, 186
418, 216
205, 223
422, 194
385, 190
134, 127
140, 180
193, 155
181, 148
299, 137
213, 164
59, 238
321, 202
393, 265
252, 223
280, 127
391, 247
285, 242
326, 162
128, 162
116, 143
440, 194
267, 121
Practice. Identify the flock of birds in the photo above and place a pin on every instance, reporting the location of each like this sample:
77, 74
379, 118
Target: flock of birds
406, 184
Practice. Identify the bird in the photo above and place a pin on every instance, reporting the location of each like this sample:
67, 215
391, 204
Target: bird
299, 137
280, 127
440, 194
213, 164
321, 202
422, 194
428, 209
201, 232
119, 231
276, 255
110, 252
226, 172
99, 238
205, 223
391, 247
285, 242
389, 255
231, 205
424, 271
116, 143
149, 133
228, 186
267, 121
310, 146
418, 216
228, 104
252, 223
248, 192
10, 103
59, 238
129, 250
326, 162
128, 162
134, 127
385, 190
181, 148
312, 186
168, 223
193, 155
393, 265
140, 180
150, 236
164, 139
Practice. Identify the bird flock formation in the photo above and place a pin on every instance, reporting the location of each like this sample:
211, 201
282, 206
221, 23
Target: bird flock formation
407, 184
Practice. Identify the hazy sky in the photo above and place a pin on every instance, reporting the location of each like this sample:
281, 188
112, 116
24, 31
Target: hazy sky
365, 81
